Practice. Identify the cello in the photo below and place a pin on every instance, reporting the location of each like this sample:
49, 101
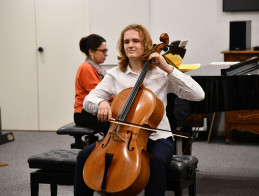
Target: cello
119, 164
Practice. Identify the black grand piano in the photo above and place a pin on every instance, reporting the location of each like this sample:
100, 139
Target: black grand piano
227, 88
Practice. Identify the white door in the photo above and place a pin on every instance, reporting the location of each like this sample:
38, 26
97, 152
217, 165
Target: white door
18, 67
59, 26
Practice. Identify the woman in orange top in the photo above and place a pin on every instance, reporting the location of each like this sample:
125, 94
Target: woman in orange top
89, 74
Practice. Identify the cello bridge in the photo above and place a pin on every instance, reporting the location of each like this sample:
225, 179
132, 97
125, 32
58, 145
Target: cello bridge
116, 137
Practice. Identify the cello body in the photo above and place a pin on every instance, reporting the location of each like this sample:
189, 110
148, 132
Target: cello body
128, 170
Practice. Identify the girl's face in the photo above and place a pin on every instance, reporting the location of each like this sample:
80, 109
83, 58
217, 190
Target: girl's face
133, 44
100, 54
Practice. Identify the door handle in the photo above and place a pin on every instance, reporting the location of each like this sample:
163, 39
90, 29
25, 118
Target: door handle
40, 49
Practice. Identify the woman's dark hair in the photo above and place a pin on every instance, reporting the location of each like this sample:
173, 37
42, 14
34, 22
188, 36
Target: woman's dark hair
92, 41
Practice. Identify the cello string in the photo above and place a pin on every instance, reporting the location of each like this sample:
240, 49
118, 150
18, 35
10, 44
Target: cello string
150, 129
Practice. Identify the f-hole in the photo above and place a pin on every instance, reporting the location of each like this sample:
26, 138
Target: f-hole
130, 132
104, 145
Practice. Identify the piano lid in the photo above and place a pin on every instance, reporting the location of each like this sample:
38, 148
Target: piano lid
208, 70
242, 68
247, 67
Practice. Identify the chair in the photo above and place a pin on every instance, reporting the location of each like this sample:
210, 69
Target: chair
56, 167
78, 132
177, 111
182, 174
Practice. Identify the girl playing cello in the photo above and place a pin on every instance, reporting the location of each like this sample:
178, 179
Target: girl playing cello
135, 45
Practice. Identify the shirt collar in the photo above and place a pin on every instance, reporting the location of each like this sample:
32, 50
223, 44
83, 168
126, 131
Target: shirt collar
149, 73
129, 71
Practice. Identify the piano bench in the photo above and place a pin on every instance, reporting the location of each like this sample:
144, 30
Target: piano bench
56, 167
182, 174
78, 132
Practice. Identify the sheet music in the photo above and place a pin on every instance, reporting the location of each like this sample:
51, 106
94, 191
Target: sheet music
224, 63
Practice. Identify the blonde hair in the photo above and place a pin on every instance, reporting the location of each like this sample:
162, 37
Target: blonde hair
145, 40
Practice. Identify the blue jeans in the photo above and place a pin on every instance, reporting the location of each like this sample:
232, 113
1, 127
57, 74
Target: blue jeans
161, 150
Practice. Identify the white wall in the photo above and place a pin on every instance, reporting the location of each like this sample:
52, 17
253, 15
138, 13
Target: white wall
109, 18
202, 22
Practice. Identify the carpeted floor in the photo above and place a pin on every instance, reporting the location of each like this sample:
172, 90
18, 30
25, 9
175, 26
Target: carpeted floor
223, 169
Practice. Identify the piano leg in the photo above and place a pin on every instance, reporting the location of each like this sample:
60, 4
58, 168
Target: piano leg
212, 121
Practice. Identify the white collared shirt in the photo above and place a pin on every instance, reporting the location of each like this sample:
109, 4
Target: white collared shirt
158, 81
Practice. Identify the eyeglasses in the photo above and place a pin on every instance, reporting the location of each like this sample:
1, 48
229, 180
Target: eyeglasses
103, 50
